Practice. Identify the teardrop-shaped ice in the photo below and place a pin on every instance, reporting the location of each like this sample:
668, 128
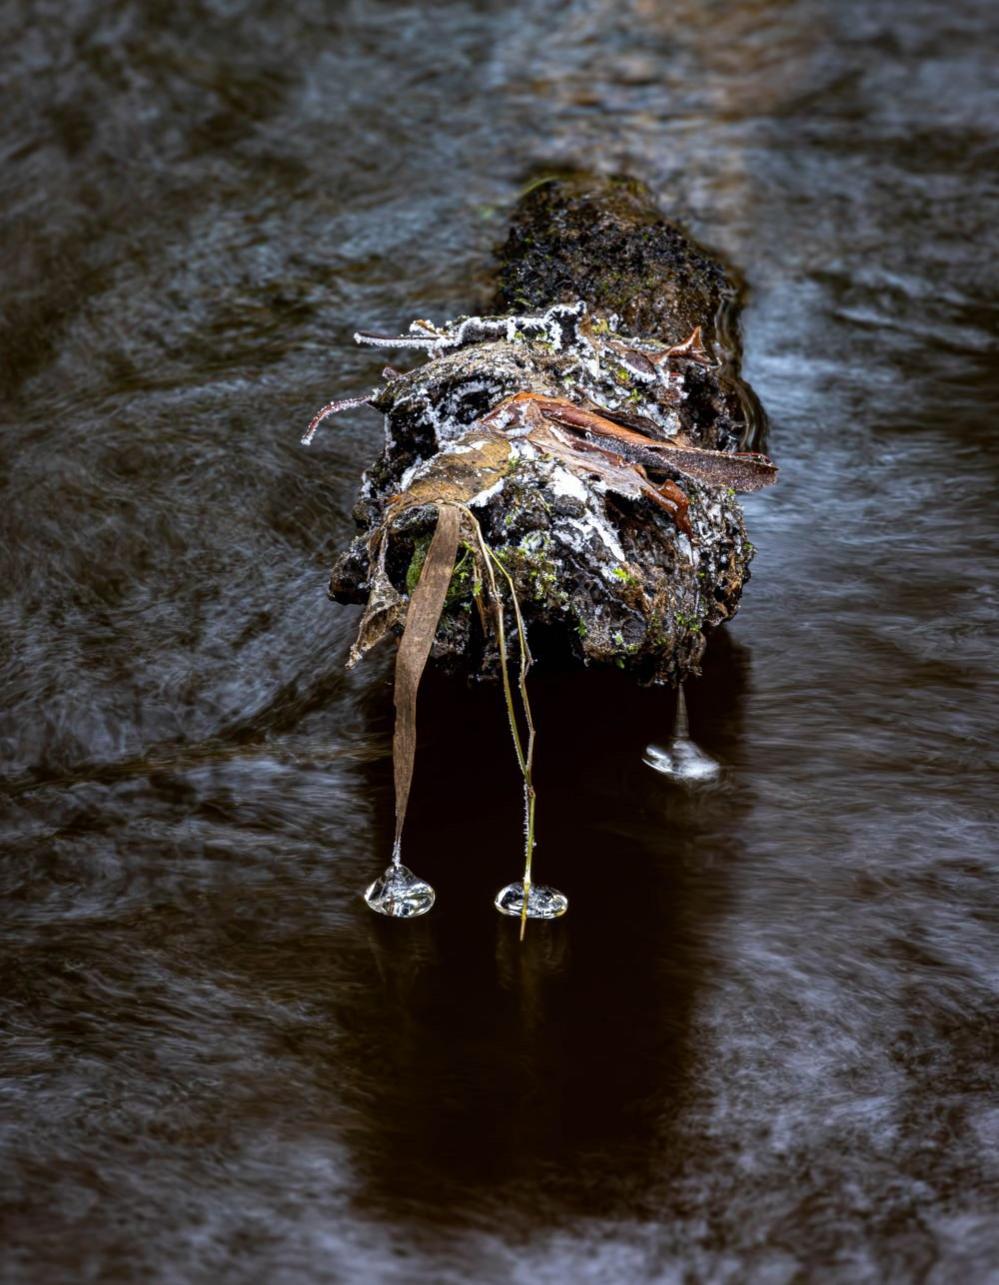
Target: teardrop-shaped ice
400, 894
542, 902
682, 760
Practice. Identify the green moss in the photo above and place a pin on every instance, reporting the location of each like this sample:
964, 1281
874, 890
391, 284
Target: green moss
416, 562
691, 623
625, 576
655, 634
463, 581
533, 571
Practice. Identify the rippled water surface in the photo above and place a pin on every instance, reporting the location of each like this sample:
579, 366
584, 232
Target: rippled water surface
761, 1046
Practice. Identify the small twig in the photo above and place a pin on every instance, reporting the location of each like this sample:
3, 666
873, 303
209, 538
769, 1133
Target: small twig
334, 408
525, 758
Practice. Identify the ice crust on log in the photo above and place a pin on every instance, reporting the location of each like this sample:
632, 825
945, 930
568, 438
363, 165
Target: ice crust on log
599, 432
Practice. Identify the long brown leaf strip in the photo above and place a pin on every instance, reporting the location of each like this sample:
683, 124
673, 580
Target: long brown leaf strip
425, 607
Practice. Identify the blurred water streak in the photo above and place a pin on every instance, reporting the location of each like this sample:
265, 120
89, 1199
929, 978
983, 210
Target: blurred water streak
760, 1048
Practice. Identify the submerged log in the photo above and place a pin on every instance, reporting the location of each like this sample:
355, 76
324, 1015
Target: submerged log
594, 433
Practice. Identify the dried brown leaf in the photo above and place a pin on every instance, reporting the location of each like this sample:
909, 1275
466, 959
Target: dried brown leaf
619, 476
385, 606
458, 476
692, 348
741, 472
425, 606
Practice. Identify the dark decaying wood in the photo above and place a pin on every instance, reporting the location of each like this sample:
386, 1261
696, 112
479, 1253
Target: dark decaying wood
598, 429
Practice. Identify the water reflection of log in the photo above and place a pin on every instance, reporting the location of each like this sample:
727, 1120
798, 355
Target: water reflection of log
473, 1065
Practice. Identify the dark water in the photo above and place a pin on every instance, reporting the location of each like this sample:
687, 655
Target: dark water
761, 1047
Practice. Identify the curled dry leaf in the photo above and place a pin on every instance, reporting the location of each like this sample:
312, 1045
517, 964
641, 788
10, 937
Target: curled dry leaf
692, 349
643, 361
385, 606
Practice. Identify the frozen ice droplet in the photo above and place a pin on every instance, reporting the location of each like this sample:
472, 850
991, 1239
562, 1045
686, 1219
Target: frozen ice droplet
400, 894
542, 902
682, 760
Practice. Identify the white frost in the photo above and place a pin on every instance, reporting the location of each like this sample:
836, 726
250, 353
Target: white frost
564, 482
485, 496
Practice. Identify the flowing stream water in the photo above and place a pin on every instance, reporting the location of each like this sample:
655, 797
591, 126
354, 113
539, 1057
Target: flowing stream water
761, 1047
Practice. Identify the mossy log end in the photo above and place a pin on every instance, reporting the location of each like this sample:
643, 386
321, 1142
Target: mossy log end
605, 240
598, 429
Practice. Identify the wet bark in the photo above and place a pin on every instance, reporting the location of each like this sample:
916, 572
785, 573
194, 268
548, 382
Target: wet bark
597, 427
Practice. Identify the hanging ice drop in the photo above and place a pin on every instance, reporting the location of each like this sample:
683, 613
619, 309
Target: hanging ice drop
681, 758
542, 902
400, 894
